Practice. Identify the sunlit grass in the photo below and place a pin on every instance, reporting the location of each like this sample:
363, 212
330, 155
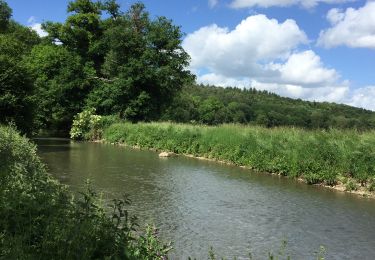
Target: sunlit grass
318, 156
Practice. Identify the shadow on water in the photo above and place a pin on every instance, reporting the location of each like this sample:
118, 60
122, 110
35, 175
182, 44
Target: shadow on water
52, 145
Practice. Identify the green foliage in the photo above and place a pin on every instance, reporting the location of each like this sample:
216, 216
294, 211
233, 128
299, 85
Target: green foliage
318, 156
215, 105
351, 186
149, 246
5, 15
40, 219
145, 66
16, 86
86, 125
136, 64
17, 102
60, 85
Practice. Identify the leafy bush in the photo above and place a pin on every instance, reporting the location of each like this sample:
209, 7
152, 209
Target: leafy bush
86, 125
40, 219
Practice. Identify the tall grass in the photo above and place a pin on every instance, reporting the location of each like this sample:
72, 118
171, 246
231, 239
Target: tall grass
317, 156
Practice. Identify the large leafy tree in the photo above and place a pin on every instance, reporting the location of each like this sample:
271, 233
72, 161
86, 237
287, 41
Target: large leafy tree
16, 84
138, 62
61, 84
5, 15
145, 66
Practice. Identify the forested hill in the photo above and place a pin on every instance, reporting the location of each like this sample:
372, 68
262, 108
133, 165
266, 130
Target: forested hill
215, 105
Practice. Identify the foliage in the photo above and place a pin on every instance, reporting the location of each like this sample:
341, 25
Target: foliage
85, 124
215, 105
60, 85
5, 14
40, 219
351, 186
17, 102
136, 64
16, 86
319, 156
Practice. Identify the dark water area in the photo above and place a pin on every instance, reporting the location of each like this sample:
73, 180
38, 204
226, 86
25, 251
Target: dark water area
198, 204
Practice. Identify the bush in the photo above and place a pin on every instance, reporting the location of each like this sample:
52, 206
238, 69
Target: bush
40, 219
86, 125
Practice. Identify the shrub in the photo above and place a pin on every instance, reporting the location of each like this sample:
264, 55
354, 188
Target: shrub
86, 125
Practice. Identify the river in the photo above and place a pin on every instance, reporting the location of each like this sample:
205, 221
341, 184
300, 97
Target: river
198, 204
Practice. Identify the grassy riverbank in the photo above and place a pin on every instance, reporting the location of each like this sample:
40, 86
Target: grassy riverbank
41, 219
320, 156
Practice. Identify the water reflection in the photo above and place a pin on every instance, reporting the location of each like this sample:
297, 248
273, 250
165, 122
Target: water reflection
198, 204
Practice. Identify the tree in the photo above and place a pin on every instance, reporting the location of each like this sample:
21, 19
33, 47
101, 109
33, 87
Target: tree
5, 15
16, 86
61, 82
145, 65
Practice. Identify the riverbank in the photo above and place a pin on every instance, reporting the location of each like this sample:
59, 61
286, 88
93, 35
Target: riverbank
340, 160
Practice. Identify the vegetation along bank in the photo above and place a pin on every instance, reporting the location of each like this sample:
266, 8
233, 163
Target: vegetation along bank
344, 159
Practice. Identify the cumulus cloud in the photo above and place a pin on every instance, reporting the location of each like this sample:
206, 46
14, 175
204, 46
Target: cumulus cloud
241, 51
266, 54
37, 27
363, 97
282, 3
258, 48
353, 28
305, 68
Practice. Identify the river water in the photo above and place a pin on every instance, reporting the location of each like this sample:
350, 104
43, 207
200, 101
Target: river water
198, 204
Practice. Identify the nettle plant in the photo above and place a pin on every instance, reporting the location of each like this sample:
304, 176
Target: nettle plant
86, 125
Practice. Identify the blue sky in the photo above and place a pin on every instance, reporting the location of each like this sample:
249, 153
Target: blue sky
320, 50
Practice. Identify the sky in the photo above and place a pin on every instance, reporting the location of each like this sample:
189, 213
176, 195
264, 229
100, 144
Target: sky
322, 50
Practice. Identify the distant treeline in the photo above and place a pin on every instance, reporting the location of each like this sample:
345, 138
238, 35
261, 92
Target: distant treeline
216, 105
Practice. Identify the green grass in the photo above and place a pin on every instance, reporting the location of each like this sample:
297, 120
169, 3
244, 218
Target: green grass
317, 156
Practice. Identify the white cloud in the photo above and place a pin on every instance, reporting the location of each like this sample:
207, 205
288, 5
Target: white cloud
37, 27
264, 53
222, 81
363, 97
282, 3
330, 93
212, 3
306, 68
242, 51
259, 49
353, 28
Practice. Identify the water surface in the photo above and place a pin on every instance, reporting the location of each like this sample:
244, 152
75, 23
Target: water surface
198, 204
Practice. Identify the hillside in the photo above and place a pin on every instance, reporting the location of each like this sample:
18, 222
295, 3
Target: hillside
215, 105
